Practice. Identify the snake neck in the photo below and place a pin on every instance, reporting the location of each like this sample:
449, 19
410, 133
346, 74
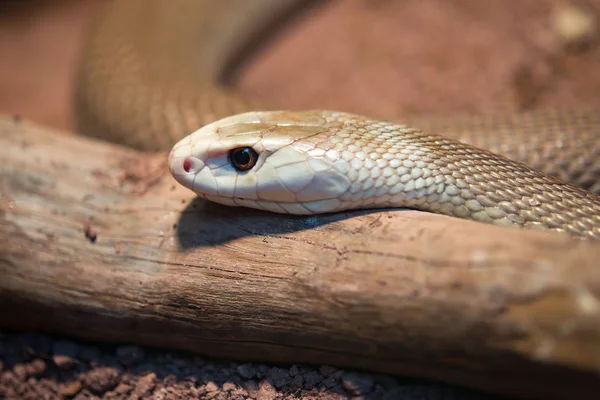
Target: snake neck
390, 165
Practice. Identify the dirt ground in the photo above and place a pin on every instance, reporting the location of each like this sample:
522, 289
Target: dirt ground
36, 366
379, 57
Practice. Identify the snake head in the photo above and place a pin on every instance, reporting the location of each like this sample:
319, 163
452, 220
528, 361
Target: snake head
276, 161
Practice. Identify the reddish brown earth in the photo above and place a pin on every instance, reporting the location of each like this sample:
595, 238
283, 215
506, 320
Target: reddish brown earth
35, 366
371, 56
437, 56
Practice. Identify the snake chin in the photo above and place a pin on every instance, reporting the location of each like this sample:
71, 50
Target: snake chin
300, 208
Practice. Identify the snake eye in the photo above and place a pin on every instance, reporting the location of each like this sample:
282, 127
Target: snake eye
243, 158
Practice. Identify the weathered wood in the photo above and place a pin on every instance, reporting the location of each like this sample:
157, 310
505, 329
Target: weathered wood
396, 291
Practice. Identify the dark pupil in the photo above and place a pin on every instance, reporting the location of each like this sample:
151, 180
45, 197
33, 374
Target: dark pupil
242, 157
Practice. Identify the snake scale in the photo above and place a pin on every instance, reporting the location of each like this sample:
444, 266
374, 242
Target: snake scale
151, 74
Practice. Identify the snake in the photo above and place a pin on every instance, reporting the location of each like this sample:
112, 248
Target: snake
151, 77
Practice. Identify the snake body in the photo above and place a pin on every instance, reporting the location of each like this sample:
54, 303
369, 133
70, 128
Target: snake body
321, 161
151, 73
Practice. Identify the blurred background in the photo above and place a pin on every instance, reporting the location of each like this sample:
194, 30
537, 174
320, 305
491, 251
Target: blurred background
379, 57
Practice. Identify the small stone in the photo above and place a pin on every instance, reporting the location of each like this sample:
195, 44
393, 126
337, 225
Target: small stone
329, 382
355, 384
228, 387
169, 380
145, 385
265, 391
43, 389
211, 387
279, 377
101, 379
130, 355
311, 379
20, 371
262, 371
84, 395
10, 393
294, 370
36, 368
327, 370
122, 388
8, 379
193, 393
297, 381
377, 392
337, 374
251, 387
160, 394
225, 373
71, 389
246, 371
238, 393
63, 361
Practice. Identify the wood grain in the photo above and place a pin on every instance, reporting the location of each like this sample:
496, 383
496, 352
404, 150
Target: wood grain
98, 242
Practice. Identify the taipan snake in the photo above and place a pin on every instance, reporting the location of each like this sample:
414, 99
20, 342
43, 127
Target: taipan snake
149, 77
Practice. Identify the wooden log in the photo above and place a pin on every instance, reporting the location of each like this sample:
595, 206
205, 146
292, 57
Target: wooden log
99, 242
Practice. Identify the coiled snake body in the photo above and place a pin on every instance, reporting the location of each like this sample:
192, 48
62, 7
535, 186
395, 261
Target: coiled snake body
135, 88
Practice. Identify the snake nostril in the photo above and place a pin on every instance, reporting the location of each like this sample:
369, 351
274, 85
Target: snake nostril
187, 165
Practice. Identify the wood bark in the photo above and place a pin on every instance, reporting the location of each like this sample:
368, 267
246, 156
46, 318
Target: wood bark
98, 241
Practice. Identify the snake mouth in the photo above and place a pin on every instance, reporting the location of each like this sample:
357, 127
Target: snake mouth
279, 207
